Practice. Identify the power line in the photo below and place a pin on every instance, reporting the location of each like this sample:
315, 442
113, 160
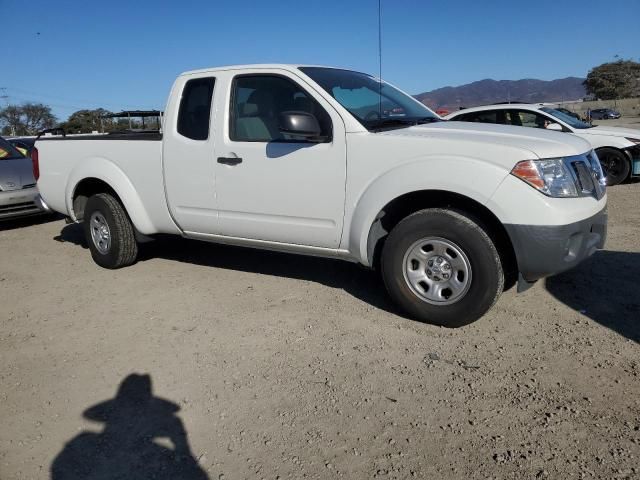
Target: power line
75, 103
56, 105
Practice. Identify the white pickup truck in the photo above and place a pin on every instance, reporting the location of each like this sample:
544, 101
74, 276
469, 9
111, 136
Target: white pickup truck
335, 163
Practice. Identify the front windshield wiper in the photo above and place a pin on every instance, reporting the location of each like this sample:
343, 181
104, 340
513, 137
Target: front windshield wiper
424, 120
401, 122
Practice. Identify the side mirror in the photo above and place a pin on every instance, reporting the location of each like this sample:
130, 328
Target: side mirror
300, 124
555, 126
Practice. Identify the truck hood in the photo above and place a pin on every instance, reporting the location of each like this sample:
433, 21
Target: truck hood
612, 131
540, 143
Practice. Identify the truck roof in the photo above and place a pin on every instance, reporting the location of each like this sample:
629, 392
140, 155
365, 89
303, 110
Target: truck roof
283, 66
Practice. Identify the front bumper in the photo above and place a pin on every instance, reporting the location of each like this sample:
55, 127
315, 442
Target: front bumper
543, 250
20, 203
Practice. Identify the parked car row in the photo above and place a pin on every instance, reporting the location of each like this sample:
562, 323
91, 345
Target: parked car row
604, 114
617, 148
595, 114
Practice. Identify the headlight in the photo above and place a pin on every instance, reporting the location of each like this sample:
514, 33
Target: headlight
550, 176
576, 176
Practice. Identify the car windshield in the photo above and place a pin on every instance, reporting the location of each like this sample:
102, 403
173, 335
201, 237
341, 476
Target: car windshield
8, 151
566, 118
376, 105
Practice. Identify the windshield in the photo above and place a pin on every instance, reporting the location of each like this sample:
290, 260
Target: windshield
568, 119
373, 103
8, 152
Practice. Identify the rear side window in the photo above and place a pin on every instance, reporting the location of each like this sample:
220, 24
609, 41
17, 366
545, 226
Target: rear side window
195, 108
486, 116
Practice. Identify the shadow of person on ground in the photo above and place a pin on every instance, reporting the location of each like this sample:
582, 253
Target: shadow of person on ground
605, 288
362, 283
129, 446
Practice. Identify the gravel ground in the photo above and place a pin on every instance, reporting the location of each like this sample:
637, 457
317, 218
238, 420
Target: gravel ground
264, 365
626, 121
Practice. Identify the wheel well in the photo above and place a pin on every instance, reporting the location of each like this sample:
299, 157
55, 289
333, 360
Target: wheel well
625, 154
85, 189
394, 211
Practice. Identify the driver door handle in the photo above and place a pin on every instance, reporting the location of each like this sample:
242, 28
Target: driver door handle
230, 160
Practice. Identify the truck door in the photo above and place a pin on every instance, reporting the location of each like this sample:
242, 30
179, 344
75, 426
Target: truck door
271, 187
188, 154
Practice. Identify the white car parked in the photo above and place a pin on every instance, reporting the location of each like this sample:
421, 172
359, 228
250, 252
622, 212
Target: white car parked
617, 148
330, 162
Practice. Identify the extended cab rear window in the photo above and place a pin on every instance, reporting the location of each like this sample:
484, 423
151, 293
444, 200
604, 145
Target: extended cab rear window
195, 108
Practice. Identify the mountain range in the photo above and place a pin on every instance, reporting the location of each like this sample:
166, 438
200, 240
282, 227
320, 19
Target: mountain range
488, 91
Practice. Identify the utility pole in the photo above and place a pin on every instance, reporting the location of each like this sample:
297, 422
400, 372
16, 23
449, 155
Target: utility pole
5, 97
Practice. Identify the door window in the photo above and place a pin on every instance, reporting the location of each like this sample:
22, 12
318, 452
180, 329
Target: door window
525, 118
195, 108
258, 100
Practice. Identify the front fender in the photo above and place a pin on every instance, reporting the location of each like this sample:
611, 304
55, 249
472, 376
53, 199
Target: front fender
105, 170
469, 177
603, 141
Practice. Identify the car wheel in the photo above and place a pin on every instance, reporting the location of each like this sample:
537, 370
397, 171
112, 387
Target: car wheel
615, 165
441, 267
109, 232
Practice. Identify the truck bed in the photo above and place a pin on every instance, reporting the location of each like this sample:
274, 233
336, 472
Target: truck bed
148, 136
130, 163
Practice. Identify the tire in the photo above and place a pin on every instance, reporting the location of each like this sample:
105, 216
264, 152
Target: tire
615, 164
109, 232
471, 254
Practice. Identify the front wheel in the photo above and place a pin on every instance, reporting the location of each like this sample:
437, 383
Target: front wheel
615, 164
109, 232
442, 267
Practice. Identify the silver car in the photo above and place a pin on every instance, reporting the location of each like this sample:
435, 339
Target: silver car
18, 192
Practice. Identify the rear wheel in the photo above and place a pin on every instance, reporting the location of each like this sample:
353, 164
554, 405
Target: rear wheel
442, 267
615, 165
109, 232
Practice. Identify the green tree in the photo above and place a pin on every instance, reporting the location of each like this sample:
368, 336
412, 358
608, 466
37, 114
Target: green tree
26, 119
614, 80
87, 121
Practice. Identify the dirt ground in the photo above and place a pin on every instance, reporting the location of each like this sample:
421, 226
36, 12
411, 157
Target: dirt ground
626, 121
264, 365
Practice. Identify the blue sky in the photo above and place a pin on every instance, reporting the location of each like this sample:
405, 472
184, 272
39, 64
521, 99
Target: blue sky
125, 54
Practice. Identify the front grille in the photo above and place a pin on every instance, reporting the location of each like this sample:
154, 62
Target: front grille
599, 180
587, 174
583, 175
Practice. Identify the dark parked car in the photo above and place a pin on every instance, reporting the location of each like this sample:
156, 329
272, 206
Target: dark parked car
604, 114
